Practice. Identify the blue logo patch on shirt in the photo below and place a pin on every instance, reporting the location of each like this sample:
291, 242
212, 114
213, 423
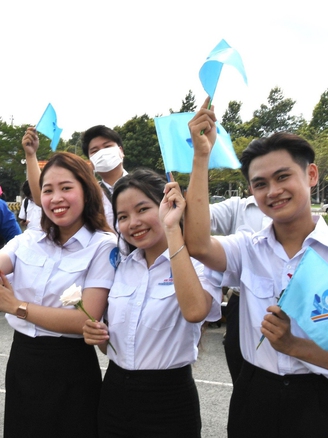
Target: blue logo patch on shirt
167, 281
115, 257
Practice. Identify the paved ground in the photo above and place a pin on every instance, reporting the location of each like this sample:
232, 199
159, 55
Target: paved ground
210, 372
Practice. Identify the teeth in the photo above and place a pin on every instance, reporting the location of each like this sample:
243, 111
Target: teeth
139, 234
278, 203
59, 210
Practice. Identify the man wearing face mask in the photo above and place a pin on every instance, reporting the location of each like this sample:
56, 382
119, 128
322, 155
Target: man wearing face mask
104, 148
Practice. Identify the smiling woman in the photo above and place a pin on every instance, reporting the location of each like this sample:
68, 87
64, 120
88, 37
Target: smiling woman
49, 359
156, 307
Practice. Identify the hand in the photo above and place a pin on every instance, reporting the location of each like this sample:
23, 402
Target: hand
8, 301
276, 328
30, 141
203, 129
95, 333
172, 206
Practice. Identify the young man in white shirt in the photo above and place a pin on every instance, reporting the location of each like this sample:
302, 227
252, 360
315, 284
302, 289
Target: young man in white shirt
282, 390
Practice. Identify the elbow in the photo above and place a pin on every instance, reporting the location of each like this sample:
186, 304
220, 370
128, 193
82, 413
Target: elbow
197, 251
194, 315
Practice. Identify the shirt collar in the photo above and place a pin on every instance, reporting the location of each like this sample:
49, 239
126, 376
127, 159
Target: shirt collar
111, 188
83, 236
319, 234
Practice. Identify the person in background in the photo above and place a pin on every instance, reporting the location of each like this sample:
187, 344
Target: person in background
104, 148
226, 217
282, 390
53, 377
9, 227
156, 308
30, 213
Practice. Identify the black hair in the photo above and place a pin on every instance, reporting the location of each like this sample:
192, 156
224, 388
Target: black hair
99, 131
300, 150
26, 189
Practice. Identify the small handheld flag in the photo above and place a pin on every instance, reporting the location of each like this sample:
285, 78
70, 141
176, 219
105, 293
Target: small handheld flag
210, 72
177, 149
48, 126
306, 297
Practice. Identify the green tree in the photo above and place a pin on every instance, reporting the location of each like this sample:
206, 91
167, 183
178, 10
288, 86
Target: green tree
188, 105
12, 158
319, 121
273, 117
231, 119
141, 148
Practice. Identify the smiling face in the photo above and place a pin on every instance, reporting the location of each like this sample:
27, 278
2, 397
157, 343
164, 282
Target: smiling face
282, 187
138, 221
62, 200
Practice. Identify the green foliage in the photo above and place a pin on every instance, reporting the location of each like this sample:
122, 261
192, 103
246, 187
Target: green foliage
188, 105
141, 148
319, 121
231, 120
12, 158
273, 117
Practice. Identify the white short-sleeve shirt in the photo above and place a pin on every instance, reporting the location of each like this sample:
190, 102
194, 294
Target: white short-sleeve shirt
146, 325
43, 270
259, 265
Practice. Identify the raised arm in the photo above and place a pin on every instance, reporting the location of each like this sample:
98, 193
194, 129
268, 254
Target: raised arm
30, 143
194, 301
197, 216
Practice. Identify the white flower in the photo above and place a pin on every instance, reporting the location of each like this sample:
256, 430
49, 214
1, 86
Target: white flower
71, 296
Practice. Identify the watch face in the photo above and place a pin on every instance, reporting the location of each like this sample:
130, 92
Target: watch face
21, 312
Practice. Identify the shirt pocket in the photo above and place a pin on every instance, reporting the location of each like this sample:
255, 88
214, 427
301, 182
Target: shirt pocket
71, 265
259, 295
28, 267
118, 301
162, 310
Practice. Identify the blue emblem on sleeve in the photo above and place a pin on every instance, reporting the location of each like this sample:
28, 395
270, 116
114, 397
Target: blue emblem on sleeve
114, 257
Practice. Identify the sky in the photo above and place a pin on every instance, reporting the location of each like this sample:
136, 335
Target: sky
105, 61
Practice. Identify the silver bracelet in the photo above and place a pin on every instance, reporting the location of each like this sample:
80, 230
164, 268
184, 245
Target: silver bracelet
177, 252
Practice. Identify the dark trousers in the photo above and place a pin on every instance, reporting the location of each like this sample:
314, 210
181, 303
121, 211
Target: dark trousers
267, 405
231, 342
149, 404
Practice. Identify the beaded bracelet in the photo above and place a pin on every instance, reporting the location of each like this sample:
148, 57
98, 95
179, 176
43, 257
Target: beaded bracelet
177, 252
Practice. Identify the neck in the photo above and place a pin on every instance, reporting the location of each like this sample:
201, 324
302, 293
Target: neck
152, 253
112, 176
291, 236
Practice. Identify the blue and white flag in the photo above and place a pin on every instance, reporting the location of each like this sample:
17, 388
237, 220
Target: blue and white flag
210, 72
306, 297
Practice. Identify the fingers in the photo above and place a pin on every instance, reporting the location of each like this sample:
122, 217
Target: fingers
30, 136
95, 333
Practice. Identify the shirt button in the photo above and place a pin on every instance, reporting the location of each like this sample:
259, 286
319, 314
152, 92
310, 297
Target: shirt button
286, 382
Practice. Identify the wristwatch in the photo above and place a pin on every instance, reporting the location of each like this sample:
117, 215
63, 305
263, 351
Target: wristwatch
21, 311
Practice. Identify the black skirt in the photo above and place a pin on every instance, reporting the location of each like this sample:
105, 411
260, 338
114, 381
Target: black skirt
149, 404
52, 388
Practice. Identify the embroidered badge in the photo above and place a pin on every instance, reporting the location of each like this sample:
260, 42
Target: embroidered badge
115, 257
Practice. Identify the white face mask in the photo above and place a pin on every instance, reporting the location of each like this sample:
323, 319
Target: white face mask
107, 159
